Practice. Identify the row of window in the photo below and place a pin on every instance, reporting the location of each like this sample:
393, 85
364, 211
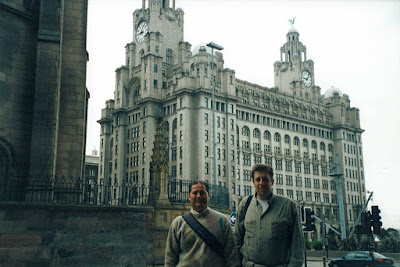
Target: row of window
219, 106
353, 187
246, 116
352, 162
351, 149
287, 139
307, 182
354, 174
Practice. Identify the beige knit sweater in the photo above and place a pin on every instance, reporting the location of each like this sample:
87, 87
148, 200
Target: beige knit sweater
185, 248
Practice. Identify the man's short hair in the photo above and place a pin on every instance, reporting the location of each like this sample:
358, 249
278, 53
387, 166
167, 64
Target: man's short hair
262, 168
199, 182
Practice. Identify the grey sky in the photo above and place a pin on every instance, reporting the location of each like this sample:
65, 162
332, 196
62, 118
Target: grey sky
355, 46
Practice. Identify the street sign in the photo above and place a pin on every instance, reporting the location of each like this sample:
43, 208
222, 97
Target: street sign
232, 218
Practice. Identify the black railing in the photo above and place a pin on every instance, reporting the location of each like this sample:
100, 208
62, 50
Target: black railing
178, 192
69, 190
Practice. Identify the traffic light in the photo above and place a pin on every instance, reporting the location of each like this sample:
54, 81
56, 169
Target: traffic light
376, 219
309, 220
365, 227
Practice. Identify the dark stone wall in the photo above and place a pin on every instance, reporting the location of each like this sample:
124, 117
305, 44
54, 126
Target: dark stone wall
43, 95
49, 235
18, 31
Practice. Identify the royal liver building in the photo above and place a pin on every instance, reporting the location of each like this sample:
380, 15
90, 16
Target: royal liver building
304, 135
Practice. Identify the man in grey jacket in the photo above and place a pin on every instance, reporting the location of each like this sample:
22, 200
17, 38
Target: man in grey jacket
269, 233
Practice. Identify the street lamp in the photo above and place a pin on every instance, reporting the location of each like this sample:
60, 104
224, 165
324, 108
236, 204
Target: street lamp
218, 47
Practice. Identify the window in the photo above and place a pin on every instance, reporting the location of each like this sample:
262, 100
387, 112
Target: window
206, 151
309, 196
325, 184
307, 168
277, 137
298, 181
245, 131
246, 160
169, 57
173, 154
307, 182
279, 179
297, 167
205, 118
289, 193
317, 197
316, 183
315, 170
296, 141
279, 191
288, 166
278, 164
289, 180
267, 135
206, 134
305, 143
155, 68
246, 175
299, 195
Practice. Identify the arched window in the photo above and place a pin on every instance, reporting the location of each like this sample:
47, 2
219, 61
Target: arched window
314, 144
277, 137
246, 131
267, 135
322, 146
141, 53
287, 139
305, 143
330, 148
256, 133
174, 129
170, 57
296, 141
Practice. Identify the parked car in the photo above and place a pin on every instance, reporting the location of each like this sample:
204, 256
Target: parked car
361, 259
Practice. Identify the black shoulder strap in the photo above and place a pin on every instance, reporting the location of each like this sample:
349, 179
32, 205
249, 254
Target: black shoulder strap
202, 232
247, 205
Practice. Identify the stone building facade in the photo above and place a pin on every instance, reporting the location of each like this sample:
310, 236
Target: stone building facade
303, 134
43, 95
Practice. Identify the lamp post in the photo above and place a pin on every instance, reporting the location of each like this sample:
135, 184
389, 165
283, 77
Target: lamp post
218, 47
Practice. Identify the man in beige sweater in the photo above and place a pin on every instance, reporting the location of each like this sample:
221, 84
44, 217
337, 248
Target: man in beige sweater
186, 248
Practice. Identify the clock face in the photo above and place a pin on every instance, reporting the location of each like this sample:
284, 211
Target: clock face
141, 31
306, 78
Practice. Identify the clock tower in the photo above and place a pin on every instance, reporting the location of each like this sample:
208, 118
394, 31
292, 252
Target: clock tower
294, 74
157, 44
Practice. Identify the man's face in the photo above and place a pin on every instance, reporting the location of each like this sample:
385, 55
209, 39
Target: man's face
263, 184
199, 197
